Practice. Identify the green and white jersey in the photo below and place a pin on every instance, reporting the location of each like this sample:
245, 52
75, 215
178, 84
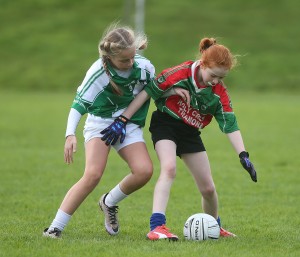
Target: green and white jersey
96, 95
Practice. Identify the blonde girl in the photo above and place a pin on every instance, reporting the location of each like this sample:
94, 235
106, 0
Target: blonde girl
109, 86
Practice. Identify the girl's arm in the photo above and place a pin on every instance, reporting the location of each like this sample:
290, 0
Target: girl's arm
236, 141
118, 128
143, 96
71, 141
136, 104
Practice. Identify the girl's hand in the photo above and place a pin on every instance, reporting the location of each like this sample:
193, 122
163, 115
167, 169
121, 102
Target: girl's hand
117, 129
185, 95
70, 148
247, 165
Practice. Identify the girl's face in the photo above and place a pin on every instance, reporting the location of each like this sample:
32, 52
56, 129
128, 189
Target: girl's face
213, 76
124, 60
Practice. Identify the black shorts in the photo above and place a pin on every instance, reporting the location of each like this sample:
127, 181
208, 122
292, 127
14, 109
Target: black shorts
186, 138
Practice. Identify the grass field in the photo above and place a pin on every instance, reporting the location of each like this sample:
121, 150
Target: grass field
34, 179
47, 46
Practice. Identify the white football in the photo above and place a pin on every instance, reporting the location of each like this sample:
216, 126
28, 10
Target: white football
201, 226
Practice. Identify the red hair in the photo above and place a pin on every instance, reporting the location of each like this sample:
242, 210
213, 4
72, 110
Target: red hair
215, 55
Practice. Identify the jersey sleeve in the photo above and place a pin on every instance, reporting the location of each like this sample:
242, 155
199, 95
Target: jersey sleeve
151, 70
154, 90
92, 85
224, 114
73, 120
80, 105
147, 74
171, 77
159, 85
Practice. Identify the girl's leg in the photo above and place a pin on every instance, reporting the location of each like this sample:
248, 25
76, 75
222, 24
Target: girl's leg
199, 166
140, 164
137, 157
96, 158
166, 152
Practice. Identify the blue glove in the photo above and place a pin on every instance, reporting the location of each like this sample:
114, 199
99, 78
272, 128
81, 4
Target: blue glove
248, 166
117, 129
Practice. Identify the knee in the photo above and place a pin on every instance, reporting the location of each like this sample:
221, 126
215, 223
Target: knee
209, 191
143, 170
92, 176
169, 170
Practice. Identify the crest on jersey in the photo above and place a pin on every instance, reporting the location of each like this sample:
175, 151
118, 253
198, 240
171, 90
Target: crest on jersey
161, 79
203, 107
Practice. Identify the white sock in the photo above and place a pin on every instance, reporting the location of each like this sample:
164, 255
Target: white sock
61, 220
114, 196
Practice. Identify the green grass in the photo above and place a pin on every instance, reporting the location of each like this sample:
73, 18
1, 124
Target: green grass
34, 179
47, 46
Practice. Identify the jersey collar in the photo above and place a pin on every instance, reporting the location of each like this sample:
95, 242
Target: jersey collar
195, 69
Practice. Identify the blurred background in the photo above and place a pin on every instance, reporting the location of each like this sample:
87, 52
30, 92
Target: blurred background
48, 45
